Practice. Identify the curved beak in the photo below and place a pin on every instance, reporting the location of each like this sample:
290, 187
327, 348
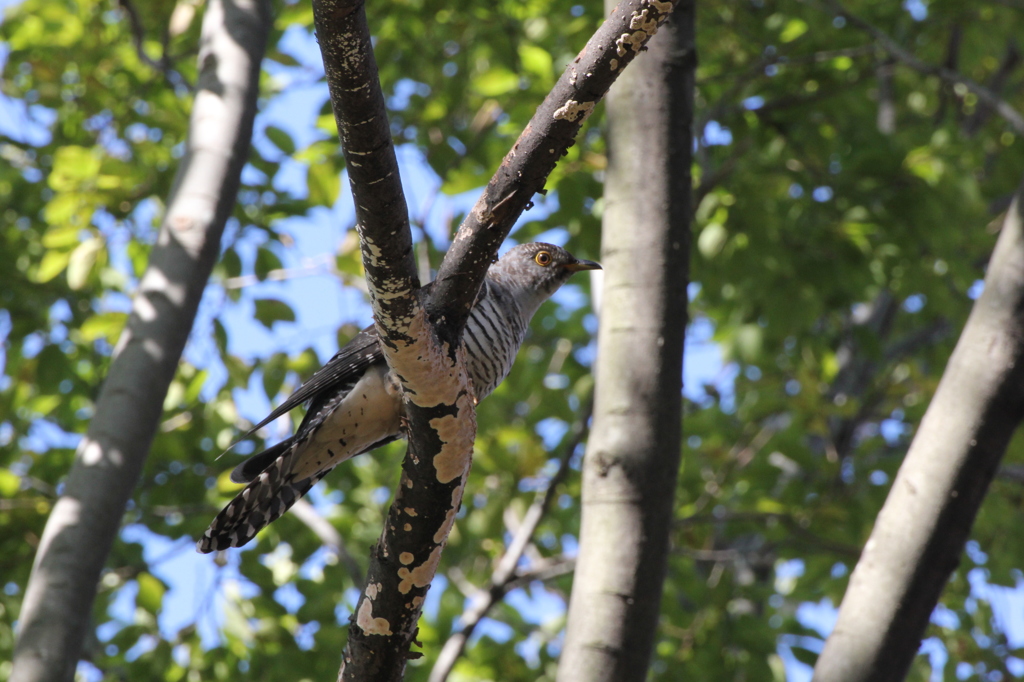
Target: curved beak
582, 265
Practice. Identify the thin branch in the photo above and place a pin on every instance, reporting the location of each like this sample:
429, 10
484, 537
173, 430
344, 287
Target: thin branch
505, 573
311, 267
985, 95
139, 37
546, 138
328, 536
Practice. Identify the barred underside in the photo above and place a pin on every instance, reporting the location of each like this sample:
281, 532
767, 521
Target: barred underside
494, 332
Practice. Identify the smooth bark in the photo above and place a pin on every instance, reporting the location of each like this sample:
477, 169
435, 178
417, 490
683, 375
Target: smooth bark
632, 459
81, 529
920, 533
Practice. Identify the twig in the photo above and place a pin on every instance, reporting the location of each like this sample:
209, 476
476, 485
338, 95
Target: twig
329, 536
504, 576
310, 268
138, 38
986, 96
546, 138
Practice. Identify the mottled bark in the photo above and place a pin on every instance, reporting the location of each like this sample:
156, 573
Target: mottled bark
920, 533
632, 459
421, 336
55, 614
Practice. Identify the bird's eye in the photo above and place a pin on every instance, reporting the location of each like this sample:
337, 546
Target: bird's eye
543, 258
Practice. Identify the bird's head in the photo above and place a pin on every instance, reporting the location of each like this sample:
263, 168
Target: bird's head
534, 271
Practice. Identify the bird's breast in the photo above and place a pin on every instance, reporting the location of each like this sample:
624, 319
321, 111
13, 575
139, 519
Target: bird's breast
492, 338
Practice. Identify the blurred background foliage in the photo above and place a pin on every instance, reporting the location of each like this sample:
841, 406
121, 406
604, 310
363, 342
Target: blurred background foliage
846, 207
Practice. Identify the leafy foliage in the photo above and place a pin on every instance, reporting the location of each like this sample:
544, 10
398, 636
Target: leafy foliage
834, 263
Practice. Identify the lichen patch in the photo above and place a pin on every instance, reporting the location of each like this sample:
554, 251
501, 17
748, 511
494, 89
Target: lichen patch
457, 435
574, 111
634, 41
641, 21
370, 625
421, 575
406, 558
449, 518
427, 373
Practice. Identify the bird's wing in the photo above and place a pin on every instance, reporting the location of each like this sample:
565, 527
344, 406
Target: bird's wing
345, 367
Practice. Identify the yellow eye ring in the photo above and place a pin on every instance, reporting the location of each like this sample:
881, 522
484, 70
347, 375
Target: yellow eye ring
543, 258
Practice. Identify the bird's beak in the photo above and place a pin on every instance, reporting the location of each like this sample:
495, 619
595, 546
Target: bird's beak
582, 265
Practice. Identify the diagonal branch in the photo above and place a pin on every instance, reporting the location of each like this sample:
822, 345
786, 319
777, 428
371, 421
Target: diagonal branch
984, 94
920, 533
546, 138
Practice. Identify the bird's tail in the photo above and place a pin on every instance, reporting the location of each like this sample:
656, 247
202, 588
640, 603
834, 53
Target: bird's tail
269, 495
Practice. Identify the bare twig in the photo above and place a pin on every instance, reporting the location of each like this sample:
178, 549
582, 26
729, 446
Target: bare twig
139, 37
329, 536
984, 94
546, 138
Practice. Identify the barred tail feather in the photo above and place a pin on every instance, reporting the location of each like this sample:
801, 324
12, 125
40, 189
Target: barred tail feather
264, 500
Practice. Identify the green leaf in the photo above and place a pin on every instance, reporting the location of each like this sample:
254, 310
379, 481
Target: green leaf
151, 593
496, 81
793, 30
82, 260
266, 261
281, 140
536, 60
53, 264
61, 236
103, 325
73, 167
324, 184
232, 263
10, 483
711, 240
270, 310
805, 656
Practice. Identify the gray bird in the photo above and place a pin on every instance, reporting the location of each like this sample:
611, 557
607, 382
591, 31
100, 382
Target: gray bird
355, 401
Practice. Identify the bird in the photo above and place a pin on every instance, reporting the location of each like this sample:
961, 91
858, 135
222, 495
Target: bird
354, 402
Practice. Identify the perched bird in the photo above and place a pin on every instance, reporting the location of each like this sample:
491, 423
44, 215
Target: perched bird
355, 401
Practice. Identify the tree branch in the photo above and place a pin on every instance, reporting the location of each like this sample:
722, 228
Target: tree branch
921, 530
328, 536
425, 353
546, 138
985, 95
437, 394
85, 520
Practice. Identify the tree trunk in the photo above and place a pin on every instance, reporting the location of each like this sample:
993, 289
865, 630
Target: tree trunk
921, 530
632, 459
81, 529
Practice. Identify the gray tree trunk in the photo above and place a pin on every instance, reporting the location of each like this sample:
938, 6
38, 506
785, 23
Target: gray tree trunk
920, 533
81, 529
632, 459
